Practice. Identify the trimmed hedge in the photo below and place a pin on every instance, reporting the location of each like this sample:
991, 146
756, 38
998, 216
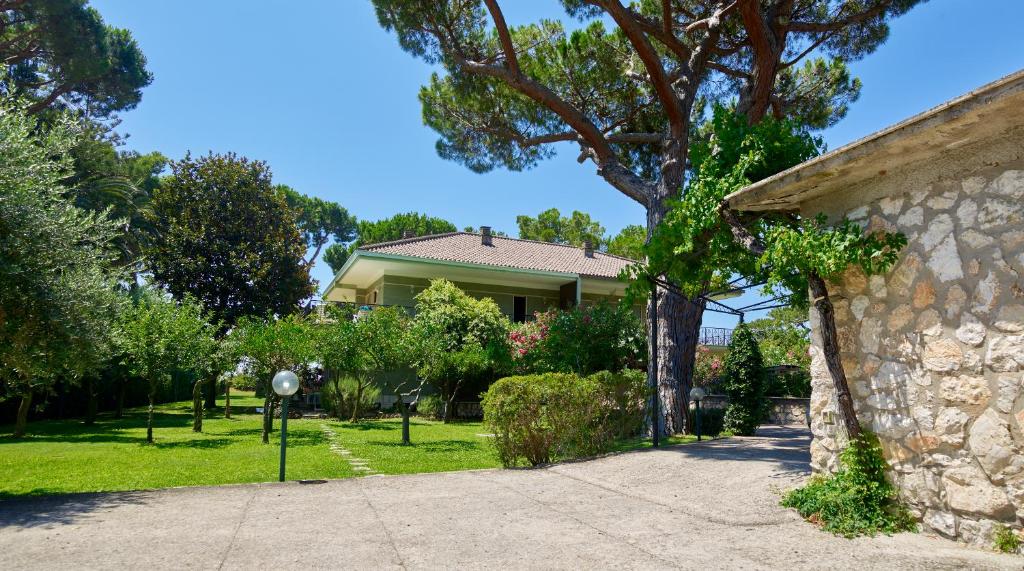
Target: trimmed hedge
556, 416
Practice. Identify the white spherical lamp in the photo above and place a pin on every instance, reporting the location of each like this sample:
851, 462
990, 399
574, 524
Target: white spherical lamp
285, 383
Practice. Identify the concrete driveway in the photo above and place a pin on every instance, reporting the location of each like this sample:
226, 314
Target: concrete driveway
701, 506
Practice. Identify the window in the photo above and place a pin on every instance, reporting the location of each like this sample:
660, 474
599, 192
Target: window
519, 309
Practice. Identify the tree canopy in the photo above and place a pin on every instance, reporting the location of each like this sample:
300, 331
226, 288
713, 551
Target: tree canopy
228, 238
59, 293
320, 221
551, 226
61, 54
386, 230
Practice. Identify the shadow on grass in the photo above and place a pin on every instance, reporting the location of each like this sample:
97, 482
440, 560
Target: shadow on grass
432, 446
24, 511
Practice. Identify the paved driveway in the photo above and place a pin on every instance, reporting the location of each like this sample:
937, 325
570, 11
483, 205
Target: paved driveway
702, 506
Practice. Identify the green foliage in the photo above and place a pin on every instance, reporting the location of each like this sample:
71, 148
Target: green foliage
856, 500
553, 416
339, 395
743, 380
784, 339
712, 421
228, 238
1005, 539
272, 344
62, 55
430, 406
386, 230
551, 226
629, 243
581, 340
58, 292
319, 221
707, 366
461, 339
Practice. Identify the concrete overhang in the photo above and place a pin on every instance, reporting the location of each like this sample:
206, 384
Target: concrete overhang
985, 113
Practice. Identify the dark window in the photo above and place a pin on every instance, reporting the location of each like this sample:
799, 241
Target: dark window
519, 309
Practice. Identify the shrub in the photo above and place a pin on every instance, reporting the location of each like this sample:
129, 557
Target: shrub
244, 382
1005, 539
550, 416
337, 394
712, 421
856, 500
430, 406
743, 380
581, 340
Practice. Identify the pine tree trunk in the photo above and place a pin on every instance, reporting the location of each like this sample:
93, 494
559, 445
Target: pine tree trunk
833, 359
227, 399
197, 406
90, 405
21, 420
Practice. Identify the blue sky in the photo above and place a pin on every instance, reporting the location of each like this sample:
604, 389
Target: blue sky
318, 90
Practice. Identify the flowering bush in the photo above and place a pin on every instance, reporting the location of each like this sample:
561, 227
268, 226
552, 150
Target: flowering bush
706, 368
580, 340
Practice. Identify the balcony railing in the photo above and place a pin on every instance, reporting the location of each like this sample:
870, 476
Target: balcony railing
715, 336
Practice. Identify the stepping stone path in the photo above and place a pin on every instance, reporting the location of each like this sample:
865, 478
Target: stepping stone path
358, 464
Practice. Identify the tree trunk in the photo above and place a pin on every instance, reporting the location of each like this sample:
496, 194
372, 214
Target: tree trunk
90, 404
268, 415
404, 409
211, 395
678, 332
119, 410
227, 399
197, 406
22, 419
356, 402
449, 407
830, 347
149, 419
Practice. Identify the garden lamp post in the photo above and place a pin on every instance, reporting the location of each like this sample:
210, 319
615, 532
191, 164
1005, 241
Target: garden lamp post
285, 383
697, 394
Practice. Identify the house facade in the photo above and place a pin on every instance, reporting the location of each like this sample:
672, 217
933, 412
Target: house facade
934, 350
521, 276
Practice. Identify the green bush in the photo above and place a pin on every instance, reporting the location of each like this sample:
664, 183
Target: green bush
430, 406
1005, 539
743, 380
553, 416
336, 396
244, 382
856, 500
712, 421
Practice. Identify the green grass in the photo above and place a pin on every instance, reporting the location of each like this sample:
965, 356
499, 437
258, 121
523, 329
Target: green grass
65, 456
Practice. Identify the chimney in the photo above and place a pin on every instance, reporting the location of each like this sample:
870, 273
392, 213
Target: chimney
406, 234
588, 248
485, 236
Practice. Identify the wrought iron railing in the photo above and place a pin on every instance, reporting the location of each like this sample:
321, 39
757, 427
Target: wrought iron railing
715, 336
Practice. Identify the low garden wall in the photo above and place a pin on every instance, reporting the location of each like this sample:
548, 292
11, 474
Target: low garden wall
781, 410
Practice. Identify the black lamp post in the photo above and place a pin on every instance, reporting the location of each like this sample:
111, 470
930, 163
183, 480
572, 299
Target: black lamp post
697, 394
285, 383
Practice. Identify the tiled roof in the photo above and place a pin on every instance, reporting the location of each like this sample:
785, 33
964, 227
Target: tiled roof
467, 248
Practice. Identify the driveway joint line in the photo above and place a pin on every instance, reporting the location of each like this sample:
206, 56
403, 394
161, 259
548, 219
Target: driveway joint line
383, 525
238, 527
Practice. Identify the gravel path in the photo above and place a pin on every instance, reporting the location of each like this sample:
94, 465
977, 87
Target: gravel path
701, 506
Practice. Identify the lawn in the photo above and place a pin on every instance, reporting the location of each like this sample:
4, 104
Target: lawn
63, 456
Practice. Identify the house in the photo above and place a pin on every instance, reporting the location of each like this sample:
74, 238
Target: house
934, 350
521, 276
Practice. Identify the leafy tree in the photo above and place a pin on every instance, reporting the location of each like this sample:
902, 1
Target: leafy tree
386, 230
340, 349
227, 237
159, 336
785, 339
462, 338
62, 54
744, 383
629, 243
551, 226
629, 97
58, 293
389, 346
269, 345
319, 221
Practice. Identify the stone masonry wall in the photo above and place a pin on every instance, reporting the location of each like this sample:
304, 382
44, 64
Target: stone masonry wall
935, 349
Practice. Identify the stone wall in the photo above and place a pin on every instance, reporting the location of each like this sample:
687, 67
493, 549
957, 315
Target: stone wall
934, 350
787, 411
